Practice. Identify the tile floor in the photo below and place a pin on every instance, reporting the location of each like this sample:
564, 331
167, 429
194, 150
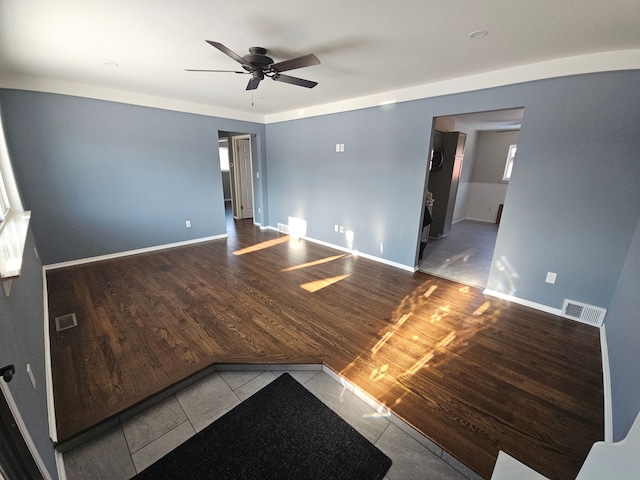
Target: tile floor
463, 255
140, 438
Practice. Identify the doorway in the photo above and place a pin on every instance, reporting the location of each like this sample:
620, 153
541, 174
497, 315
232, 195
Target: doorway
467, 208
242, 174
236, 166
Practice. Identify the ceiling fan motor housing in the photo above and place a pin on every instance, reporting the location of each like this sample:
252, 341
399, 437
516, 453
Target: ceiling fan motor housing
258, 59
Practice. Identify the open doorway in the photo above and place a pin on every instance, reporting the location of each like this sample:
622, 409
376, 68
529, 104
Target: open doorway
242, 176
236, 165
467, 185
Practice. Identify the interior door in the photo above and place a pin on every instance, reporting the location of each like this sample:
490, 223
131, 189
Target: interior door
243, 177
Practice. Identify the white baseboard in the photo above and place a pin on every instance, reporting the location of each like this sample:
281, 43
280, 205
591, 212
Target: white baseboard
522, 301
353, 252
482, 220
82, 261
51, 413
62, 472
606, 384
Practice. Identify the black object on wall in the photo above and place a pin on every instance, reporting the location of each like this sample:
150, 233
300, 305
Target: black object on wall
443, 182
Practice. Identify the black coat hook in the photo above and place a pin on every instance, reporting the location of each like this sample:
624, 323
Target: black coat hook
8, 372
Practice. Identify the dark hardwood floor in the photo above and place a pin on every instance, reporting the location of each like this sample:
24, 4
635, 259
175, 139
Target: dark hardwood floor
473, 373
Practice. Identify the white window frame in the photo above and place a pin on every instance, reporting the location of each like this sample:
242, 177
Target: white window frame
224, 158
15, 221
508, 168
4, 201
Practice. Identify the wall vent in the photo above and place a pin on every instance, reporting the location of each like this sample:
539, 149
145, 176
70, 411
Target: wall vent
66, 321
283, 228
583, 313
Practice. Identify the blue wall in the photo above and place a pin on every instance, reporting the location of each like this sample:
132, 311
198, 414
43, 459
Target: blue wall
22, 343
373, 188
571, 206
105, 177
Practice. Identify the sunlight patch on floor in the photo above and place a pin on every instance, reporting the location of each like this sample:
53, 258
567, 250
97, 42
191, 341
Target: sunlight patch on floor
322, 283
426, 331
262, 245
315, 262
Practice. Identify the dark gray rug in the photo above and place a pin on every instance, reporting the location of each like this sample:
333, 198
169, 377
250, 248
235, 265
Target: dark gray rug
281, 432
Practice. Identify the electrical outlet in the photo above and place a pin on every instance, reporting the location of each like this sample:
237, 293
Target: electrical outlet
341, 229
188, 223
551, 277
338, 147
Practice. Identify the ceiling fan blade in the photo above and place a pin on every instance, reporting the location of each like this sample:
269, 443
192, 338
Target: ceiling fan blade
253, 83
221, 71
304, 61
228, 52
294, 80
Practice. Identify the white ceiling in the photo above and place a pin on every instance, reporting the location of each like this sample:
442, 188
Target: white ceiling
365, 46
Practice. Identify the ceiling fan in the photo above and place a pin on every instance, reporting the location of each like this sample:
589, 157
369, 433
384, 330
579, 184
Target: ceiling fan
259, 65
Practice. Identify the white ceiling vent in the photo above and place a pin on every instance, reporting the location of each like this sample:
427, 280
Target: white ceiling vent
583, 313
66, 321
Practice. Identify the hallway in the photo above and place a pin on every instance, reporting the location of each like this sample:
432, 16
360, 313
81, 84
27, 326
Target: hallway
463, 255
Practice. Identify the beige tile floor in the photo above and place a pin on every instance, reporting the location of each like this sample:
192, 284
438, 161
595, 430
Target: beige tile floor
138, 439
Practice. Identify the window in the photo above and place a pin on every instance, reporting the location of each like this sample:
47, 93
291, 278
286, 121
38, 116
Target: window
224, 158
4, 201
5, 167
509, 166
14, 221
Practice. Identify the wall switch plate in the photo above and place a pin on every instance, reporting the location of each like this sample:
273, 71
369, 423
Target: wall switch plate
335, 228
188, 223
551, 277
337, 147
341, 147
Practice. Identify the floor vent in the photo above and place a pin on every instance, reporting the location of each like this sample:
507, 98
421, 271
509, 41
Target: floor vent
283, 228
66, 321
583, 313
